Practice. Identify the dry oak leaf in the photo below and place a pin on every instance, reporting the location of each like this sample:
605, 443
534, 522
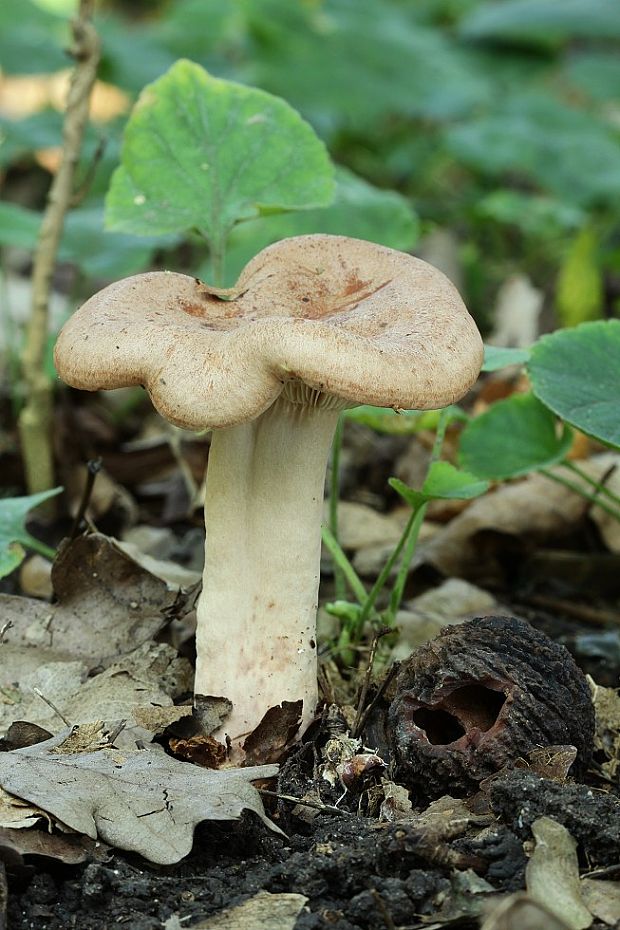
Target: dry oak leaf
141, 800
107, 606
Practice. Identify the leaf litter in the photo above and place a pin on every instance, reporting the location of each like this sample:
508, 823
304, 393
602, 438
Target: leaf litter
139, 800
121, 796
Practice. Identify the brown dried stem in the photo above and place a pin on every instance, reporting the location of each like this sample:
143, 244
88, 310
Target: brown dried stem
35, 420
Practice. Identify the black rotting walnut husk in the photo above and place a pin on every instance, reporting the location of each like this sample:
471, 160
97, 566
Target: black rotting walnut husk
480, 696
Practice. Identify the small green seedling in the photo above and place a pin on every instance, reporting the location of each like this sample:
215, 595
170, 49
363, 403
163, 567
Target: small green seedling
13, 533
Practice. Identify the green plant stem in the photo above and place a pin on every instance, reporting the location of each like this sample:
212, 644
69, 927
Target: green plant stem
217, 246
339, 556
413, 527
37, 546
440, 435
403, 572
334, 497
406, 543
383, 576
35, 419
593, 498
597, 485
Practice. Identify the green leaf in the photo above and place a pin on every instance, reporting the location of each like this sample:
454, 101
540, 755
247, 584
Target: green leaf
131, 55
406, 423
513, 437
32, 40
414, 498
20, 137
359, 210
13, 533
547, 141
203, 153
98, 252
344, 610
543, 21
102, 253
534, 215
445, 482
496, 357
19, 227
349, 63
580, 288
597, 73
576, 373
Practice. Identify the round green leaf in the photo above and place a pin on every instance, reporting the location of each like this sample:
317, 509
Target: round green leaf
576, 373
515, 436
496, 357
203, 153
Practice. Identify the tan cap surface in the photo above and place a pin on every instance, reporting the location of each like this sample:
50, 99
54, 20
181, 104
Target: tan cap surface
365, 323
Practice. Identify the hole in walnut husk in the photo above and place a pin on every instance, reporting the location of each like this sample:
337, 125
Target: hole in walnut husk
466, 709
439, 726
480, 696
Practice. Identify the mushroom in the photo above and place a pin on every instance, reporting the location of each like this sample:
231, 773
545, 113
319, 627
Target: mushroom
314, 324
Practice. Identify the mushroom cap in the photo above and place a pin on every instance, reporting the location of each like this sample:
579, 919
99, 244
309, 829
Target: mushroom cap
346, 317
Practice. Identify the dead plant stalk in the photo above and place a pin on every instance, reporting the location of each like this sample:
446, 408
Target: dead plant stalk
35, 419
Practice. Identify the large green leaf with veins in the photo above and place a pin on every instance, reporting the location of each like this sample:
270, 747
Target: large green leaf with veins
203, 153
576, 373
543, 21
358, 210
513, 437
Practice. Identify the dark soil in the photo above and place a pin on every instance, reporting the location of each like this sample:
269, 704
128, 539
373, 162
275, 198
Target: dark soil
356, 873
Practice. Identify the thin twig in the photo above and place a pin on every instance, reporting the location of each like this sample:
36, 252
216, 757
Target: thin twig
592, 498
93, 467
584, 612
367, 676
4, 629
35, 420
49, 703
380, 692
315, 805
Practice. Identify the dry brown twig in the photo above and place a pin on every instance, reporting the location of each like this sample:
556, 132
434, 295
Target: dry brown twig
35, 420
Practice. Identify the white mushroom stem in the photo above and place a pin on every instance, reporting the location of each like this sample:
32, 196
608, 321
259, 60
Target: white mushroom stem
256, 633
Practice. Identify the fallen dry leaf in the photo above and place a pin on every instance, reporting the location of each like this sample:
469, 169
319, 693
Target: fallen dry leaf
148, 679
67, 848
607, 732
264, 911
552, 874
396, 804
274, 733
18, 814
535, 506
107, 606
520, 912
602, 899
141, 801
605, 466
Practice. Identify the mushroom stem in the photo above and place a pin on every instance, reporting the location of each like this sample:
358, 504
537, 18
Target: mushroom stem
256, 639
